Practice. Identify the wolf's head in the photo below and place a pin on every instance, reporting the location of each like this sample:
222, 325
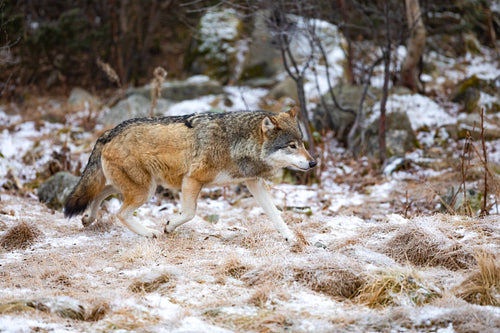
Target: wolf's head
283, 143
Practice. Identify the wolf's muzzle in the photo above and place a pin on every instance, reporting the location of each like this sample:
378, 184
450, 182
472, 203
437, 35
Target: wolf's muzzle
312, 164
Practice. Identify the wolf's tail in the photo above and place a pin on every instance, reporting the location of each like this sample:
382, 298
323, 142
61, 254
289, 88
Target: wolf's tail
89, 186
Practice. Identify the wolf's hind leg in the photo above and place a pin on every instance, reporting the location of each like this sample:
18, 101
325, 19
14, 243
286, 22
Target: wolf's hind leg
87, 219
130, 203
259, 190
190, 190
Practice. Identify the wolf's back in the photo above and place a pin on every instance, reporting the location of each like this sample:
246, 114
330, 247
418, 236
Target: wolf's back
90, 185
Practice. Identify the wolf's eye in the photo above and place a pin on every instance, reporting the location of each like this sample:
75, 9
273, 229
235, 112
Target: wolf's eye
292, 145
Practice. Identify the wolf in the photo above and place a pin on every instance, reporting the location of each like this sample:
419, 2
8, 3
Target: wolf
188, 153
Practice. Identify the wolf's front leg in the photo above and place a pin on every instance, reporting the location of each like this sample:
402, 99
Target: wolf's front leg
259, 190
190, 190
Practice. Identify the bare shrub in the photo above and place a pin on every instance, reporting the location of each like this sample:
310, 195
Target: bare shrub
415, 245
394, 287
20, 236
150, 283
330, 280
483, 284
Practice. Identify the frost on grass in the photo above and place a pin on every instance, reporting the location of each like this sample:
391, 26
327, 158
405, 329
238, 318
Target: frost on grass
397, 287
20, 236
418, 246
150, 283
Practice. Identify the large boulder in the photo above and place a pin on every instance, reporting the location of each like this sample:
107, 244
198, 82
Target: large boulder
55, 190
176, 90
134, 106
81, 98
471, 125
341, 121
263, 58
474, 93
400, 137
286, 88
213, 48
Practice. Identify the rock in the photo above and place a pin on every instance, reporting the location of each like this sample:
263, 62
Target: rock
453, 201
338, 120
469, 92
399, 136
263, 58
81, 98
56, 189
213, 48
471, 125
320, 245
396, 163
286, 88
134, 106
182, 90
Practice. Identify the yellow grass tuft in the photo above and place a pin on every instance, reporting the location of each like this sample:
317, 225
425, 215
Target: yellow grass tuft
483, 284
20, 236
387, 288
149, 284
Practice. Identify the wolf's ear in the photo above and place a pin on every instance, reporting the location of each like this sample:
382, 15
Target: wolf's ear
293, 112
269, 124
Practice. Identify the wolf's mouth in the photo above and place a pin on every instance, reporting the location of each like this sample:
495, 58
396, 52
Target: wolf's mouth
297, 168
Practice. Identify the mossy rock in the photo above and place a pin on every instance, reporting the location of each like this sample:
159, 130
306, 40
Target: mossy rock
340, 121
54, 191
400, 137
468, 92
212, 51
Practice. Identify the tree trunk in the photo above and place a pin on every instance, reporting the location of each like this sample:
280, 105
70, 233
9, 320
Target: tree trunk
383, 103
416, 43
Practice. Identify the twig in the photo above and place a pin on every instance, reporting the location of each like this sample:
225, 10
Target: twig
159, 77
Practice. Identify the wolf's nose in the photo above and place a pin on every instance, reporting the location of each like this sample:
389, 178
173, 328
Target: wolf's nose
312, 164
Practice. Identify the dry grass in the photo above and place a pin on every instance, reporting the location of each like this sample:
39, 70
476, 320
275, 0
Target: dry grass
396, 287
150, 283
331, 280
20, 236
261, 295
482, 286
232, 266
98, 312
263, 321
414, 245
252, 278
268, 273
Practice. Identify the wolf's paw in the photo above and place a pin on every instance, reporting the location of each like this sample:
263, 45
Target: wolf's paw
291, 239
168, 228
87, 220
151, 233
